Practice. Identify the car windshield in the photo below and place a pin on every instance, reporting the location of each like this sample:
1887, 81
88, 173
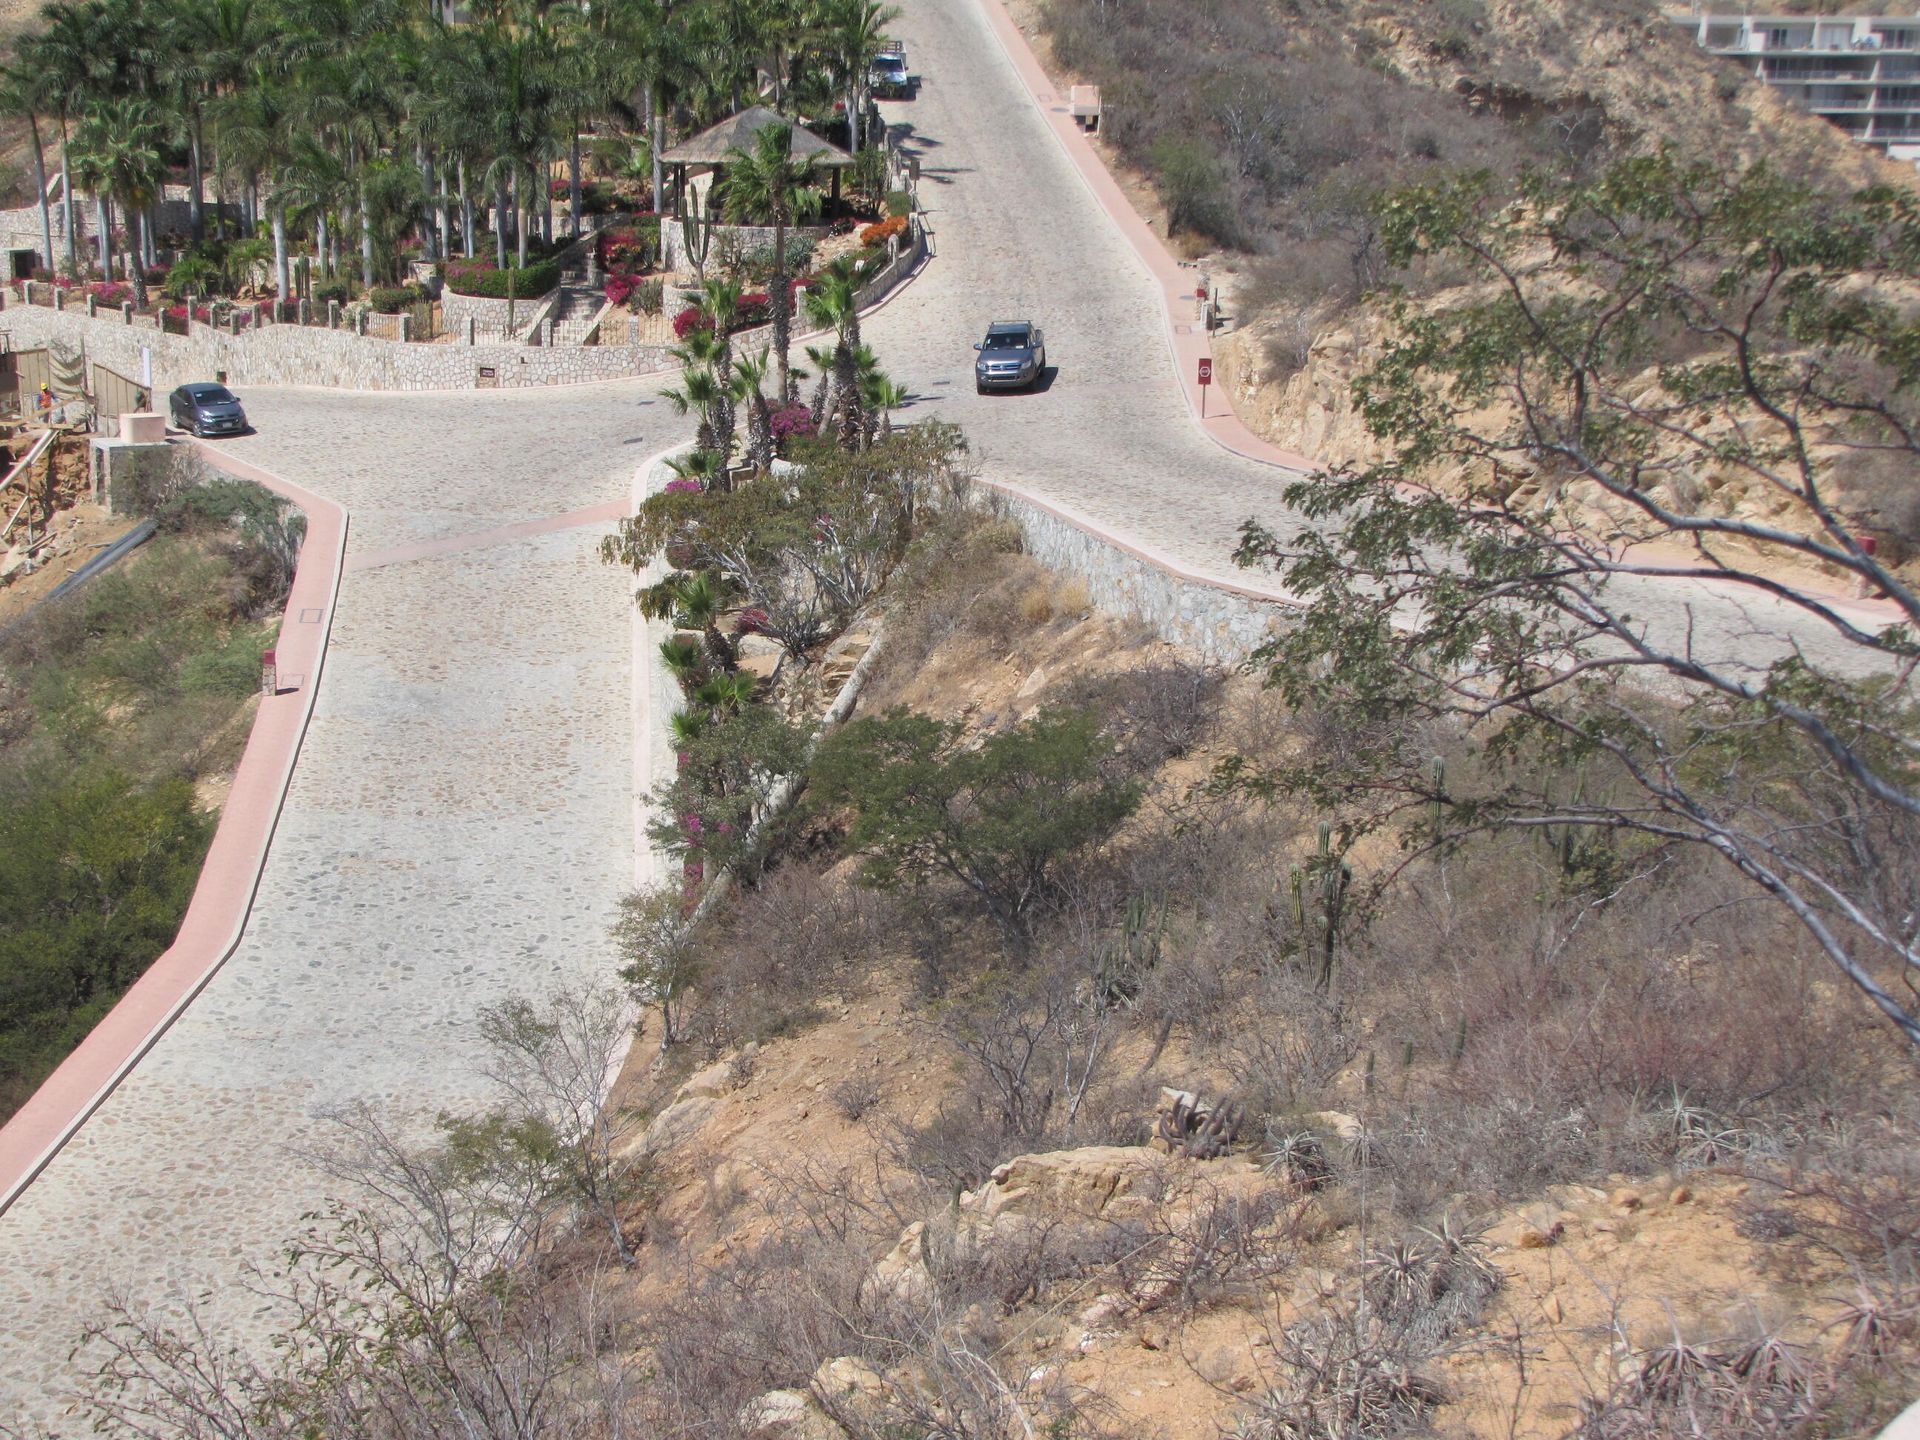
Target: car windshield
210, 394
890, 62
1006, 340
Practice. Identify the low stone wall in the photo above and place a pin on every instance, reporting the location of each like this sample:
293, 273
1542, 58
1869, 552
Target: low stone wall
1223, 624
748, 237
490, 316
312, 355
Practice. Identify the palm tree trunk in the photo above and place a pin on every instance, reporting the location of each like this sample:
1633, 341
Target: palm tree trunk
782, 303
135, 271
366, 239
658, 142
250, 199
103, 216
40, 189
519, 222
430, 236
320, 242
500, 223
279, 257
196, 188
573, 181
466, 210
66, 201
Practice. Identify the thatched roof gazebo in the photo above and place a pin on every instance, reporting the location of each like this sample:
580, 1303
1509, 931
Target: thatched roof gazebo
711, 147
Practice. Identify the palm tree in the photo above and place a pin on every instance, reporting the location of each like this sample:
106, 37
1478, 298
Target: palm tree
833, 303
698, 603
682, 656
698, 392
749, 375
858, 28
770, 182
21, 90
120, 144
725, 694
883, 396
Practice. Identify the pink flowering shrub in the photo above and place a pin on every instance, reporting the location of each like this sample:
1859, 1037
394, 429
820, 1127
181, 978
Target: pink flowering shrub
683, 485
789, 421
688, 320
750, 621
619, 288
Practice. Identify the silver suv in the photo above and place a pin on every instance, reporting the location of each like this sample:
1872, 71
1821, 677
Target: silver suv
1012, 357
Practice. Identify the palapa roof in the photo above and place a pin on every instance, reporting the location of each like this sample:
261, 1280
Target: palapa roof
710, 147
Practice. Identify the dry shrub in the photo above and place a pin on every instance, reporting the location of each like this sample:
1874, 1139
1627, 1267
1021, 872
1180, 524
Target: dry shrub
1160, 710
1036, 603
951, 579
1072, 599
777, 948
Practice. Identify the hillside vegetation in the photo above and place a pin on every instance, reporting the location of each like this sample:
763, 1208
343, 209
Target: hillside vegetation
122, 705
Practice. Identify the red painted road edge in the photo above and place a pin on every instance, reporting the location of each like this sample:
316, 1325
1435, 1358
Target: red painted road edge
217, 915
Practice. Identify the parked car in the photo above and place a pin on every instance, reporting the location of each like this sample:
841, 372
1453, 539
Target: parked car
204, 409
888, 77
1012, 357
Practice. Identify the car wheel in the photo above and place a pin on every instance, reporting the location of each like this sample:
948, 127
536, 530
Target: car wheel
979, 387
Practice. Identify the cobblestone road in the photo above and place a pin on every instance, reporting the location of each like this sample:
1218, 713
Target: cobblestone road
458, 829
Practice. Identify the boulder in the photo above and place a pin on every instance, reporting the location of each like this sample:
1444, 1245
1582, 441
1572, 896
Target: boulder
902, 1272
1104, 1182
675, 1125
787, 1415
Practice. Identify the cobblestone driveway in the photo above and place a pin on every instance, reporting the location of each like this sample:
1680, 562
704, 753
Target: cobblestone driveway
458, 829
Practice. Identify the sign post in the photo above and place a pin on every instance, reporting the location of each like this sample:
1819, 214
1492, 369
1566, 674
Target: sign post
1206, 379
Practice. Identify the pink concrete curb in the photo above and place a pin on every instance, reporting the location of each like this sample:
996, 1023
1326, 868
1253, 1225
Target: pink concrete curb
217, 915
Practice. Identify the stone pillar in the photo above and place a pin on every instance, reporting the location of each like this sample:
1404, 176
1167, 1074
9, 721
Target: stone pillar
333, 314
126, 312
304, 314
59, 299
406, 328
93, 305
546, 333
470, 329
360, 321
26, 289
233, 322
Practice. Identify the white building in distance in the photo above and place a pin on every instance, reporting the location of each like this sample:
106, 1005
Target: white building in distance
1861, 72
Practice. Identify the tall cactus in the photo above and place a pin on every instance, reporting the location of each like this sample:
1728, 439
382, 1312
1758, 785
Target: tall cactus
696, 232
1335, 876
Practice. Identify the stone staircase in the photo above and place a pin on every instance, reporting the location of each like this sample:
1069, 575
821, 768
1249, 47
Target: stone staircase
580, 300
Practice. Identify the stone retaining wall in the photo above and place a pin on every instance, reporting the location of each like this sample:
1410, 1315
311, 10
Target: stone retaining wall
1223, 625
315, 355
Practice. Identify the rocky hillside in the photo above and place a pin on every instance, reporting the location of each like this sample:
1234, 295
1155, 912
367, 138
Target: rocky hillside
904, 1194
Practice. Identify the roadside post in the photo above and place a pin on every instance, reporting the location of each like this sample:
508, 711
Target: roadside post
269, 674
1206, 379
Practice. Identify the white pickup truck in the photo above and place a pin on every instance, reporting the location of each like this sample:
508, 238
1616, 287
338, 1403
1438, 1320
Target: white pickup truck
888, 75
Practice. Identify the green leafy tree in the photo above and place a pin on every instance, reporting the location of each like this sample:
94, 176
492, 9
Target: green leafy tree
1626, 336
708, 810
1002, 817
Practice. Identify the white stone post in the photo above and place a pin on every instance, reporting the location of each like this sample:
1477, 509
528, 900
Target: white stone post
233, 322
126, 312
333, 314
93, 305
304, 313
546, 333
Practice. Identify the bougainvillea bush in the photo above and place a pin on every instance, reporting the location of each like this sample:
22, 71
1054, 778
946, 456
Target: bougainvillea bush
689, 320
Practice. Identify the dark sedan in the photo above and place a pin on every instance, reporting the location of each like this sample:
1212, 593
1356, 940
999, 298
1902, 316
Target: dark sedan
206, 410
